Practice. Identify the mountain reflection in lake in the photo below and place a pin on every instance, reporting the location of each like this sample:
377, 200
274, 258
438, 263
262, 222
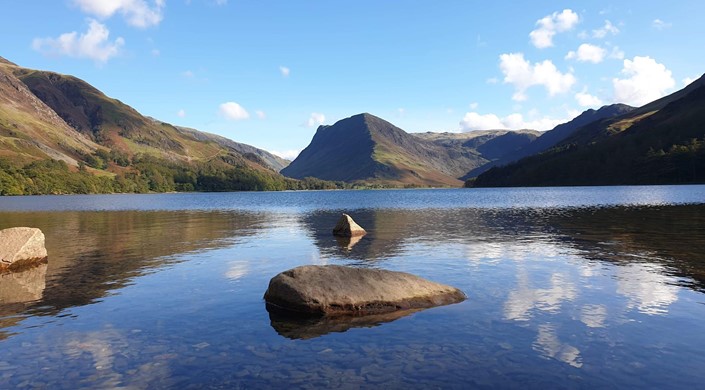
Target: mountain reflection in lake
558, 296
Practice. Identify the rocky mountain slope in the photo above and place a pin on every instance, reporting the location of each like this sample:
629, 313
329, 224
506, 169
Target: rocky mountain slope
365, 148
368, 149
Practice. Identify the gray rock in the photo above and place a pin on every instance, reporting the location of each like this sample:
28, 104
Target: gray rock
346, 227
339, 290
21, 245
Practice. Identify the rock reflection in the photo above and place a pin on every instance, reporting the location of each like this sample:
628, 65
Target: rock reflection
548, 344
302, 327
23, 286
347, 243
93, 253
389, 231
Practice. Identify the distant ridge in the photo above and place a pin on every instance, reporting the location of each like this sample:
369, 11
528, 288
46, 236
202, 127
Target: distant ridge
553, 137
662, 142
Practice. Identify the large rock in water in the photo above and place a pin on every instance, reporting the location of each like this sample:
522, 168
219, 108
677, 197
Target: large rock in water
339, 290
21, 245
346, 227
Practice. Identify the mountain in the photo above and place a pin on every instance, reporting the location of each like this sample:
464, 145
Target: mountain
31, 130
368, 149
59, 134
490, 144
662, 142
273, 161
553, 137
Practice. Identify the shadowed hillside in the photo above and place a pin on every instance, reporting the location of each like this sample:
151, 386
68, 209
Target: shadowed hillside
368, 149
662, 142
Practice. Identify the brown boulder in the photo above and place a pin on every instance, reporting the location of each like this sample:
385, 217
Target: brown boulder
339, 290
21, 245
346, 227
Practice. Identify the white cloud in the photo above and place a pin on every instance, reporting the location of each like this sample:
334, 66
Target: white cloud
584, 99
550, 25
608, 28
286, 154
645, 80
137, 13
474, 105
475, 121
156, 52
221, 2
188, 74
233, 111
315, 119
492, 80
523, 75
284, 71
686, 81
588, 53
181, 113
92, 44
660, 24
260, 114
617, 53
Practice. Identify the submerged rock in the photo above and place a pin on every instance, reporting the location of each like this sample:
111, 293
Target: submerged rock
21, 245
339, 290
346, 227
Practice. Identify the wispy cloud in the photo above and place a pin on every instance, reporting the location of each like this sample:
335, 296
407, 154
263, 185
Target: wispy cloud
94, 44
584, 99
660, 24
523, 75
645, 80
602, 32
137, 13
233, 111
476, 121
550, 25
286, 154
315, 119
588, 53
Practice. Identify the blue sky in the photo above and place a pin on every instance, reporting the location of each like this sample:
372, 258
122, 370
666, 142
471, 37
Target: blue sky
267, 73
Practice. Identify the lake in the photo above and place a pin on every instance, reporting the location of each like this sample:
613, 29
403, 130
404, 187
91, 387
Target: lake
586, 287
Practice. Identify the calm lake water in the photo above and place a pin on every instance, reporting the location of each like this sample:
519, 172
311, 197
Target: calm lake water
567, 288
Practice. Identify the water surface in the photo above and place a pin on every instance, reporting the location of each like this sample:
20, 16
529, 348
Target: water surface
568, 287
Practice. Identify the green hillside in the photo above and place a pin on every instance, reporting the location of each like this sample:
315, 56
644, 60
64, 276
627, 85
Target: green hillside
664, 144
60, 135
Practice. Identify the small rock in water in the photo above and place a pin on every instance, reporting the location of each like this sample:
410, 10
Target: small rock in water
21, 245
346, 227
